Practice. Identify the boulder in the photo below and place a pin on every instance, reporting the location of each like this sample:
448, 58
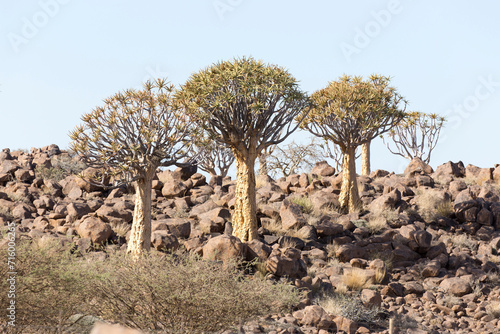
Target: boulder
450, 169
77, 210
174, 188
114, 213
95, 229
484, 217
214, 214
431, 269
315, 316
224, 248
387, 201
326, 228
164, 241
371, 298
347, 252
286, 262
479, 175
322, 169
184, 173
324, 200
456, 286
466, 211
209, 226
345, 325
257, 249
416, 165
291, 215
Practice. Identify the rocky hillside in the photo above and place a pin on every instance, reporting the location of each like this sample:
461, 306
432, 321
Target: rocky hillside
422, 257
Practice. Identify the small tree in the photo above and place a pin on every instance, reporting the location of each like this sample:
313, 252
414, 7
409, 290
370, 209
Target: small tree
211, 156
385, 96
351, 112
293, 158
247, 105
128, 138
416, 135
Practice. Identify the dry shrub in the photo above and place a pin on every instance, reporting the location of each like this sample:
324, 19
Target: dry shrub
120, 229
432, 205
384, 214
464, 241
49, 286
375, 224
356, 279
493, 309
275, 227
185, 294
348, 306
167, 293
331, 249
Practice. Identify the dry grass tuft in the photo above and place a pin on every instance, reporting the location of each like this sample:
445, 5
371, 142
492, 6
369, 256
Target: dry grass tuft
275, 227
304, 202
348, 306
356, 279
493, 309
432, 205
463, 241
120, 229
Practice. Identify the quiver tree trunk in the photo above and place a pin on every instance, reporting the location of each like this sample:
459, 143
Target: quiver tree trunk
140, 236
244, 218
365, 158
349, 196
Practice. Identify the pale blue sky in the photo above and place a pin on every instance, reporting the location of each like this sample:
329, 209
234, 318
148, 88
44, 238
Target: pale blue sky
60, 59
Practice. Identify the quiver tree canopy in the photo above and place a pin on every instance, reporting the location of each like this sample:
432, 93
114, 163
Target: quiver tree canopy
128, 138
351, 112
416, 135
246, 105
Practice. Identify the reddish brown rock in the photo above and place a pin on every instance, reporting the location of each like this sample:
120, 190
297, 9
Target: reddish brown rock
224, 248
456, 286
286, 262
95, 229
291, 216
164, 241
416, 165
315, 316
322, 168
347, 252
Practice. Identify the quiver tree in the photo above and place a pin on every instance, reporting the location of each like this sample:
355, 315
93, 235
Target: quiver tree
211, 157
247, 105
350, 112
384, 96
416, 135
127, 139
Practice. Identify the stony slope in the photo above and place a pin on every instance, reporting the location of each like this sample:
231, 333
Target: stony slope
424, 252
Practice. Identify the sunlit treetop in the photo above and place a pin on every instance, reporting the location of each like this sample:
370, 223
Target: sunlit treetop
133, 132
244, 100
352, 111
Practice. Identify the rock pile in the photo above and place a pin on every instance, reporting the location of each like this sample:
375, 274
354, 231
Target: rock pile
424, 252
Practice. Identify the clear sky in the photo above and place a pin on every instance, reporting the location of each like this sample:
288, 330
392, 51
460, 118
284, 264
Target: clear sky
61, 58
